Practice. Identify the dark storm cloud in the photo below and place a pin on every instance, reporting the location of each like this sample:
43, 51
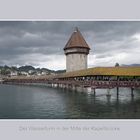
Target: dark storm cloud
24, 39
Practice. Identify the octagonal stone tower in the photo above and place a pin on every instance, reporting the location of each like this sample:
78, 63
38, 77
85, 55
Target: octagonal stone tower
76, 51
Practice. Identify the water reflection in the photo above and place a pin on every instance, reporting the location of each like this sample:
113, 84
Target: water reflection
55, 103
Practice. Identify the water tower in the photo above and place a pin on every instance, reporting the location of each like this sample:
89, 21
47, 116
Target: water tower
76, 51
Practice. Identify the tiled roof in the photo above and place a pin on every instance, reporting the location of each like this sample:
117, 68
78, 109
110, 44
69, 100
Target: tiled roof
110, 71
76, 40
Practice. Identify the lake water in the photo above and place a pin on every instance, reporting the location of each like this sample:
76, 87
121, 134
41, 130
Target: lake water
36, 102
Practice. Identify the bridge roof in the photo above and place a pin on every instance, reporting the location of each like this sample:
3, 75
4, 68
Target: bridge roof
76, 40
108, 71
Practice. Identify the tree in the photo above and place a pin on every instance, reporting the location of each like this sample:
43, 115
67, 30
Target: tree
117, 65
5, 72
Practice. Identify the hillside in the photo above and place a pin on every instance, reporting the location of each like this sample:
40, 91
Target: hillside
5, 70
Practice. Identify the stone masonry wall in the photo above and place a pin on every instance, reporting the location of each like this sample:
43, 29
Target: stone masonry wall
76, 62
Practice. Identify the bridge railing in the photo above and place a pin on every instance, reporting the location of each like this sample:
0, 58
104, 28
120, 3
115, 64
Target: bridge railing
100, 83
85, 83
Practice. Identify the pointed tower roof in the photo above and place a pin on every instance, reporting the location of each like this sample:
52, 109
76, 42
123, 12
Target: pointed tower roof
76, 40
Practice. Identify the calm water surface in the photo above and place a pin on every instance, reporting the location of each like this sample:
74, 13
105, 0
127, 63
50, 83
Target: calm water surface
32, 102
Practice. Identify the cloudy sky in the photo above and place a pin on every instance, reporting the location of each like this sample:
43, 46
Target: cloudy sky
41, 43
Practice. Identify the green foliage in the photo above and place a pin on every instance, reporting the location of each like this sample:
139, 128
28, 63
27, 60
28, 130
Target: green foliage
26, 68
5, 71
117, 65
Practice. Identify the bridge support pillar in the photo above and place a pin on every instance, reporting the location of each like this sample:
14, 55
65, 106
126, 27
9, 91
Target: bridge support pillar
74, 88
66, 86
132, 92
117, 91
57, 85
53, 85
69, 87
63, 86
82, 88
93, 90
108, 92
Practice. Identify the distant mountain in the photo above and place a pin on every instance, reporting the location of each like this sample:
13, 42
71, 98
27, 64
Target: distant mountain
131, 65
5, 67
45, 69
28, 68
60, 71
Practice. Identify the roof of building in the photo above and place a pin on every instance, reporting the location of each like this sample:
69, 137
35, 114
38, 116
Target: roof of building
109, 71
76, 40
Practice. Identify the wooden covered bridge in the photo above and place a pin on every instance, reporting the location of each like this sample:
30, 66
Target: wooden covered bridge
98, 77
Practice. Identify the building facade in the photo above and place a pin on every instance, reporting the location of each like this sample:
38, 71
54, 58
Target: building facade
76, 51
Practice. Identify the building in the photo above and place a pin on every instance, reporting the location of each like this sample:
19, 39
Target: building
13, 73
76, 51
24, 73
